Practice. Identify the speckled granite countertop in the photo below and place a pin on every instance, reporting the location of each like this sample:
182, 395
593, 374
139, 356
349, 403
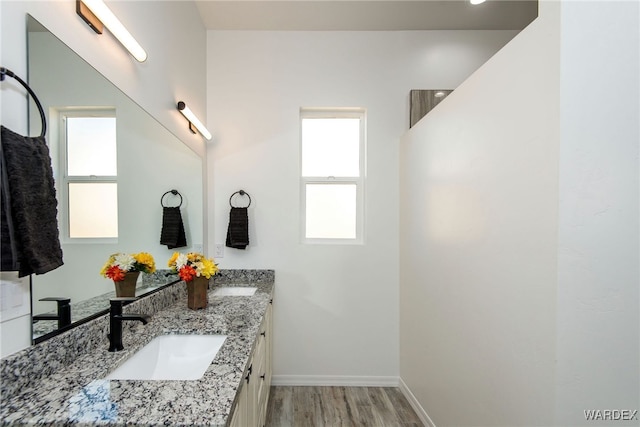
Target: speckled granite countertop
78, 395
91, 306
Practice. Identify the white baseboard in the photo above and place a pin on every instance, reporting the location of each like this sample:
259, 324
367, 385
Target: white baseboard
330, 380
422, 414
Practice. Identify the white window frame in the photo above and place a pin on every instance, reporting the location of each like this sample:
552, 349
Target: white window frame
359, 181
65, 179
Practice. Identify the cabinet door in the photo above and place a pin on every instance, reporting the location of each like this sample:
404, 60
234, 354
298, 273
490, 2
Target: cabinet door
251, 409
252, 398
265, 368
240, 413
269, 346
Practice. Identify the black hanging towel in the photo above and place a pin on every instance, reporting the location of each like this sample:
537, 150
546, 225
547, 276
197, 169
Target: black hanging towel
30, 241
172, 233
238, 230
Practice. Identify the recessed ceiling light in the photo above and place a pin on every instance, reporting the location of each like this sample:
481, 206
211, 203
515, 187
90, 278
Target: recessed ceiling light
476, 1
439, 94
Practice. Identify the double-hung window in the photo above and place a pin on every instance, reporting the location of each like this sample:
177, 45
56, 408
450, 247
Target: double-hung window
89, 175
332, 175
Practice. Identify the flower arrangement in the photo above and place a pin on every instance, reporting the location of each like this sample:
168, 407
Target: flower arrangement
118, 264
191, 265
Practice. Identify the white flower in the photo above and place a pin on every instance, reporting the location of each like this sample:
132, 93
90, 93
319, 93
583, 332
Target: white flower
124, 261
199, 266
181, 261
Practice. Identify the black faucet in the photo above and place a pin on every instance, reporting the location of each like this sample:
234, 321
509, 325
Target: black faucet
115, 321
64, 312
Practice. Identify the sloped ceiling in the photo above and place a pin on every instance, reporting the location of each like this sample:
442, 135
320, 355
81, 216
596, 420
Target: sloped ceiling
349, 15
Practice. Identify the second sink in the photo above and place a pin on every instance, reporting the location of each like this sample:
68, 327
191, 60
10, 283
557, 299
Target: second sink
171, 357
239, 291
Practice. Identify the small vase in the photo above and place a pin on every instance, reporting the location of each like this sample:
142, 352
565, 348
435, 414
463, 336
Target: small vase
127, 287
197, 293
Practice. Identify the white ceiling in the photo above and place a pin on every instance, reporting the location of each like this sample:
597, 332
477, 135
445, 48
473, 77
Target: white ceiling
366, 15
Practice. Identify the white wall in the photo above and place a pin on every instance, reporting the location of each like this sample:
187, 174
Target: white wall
336, 314
598, 258
172, 34
15, 310
479, 204
519, 262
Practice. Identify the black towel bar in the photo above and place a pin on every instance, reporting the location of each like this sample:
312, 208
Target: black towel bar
242, 193
7, 72
175, 193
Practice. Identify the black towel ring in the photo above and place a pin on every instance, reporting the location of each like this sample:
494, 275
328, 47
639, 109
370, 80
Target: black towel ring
7, 72
175, 193
242, 193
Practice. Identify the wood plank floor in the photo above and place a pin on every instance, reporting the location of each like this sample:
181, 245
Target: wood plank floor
339, 407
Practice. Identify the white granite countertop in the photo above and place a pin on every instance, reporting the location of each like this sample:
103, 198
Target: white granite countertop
78, 394
91, 306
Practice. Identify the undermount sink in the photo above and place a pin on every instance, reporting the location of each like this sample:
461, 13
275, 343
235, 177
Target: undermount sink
238, 291
171, 357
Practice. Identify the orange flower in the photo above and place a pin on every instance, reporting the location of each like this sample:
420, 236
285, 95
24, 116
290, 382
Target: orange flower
114, 273
187, 273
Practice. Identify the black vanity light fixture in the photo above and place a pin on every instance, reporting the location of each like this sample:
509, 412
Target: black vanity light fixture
97, 15
193, 120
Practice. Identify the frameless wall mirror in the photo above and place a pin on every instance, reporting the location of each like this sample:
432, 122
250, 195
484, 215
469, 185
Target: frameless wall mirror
112, 163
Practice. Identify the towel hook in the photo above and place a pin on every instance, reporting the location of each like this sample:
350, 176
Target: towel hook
242, 193
175, 193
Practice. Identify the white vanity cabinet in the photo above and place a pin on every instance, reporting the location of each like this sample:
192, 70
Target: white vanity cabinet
253, 397
263, 380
